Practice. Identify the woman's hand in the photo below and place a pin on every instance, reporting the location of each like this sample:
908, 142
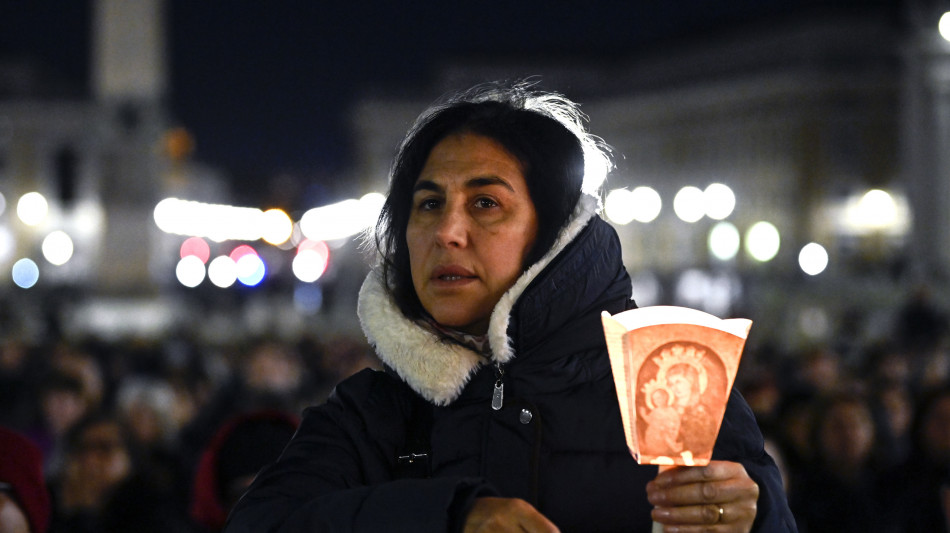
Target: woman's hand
717, 497
506, 514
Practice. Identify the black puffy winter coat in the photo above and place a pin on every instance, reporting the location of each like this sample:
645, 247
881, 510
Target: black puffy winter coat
557, 441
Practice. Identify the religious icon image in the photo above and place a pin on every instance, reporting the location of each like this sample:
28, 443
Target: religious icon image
680, 389
673, 368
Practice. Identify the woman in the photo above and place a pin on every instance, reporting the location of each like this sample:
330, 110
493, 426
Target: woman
498, 410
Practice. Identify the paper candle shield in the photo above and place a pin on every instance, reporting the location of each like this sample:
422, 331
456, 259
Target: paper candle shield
673, 368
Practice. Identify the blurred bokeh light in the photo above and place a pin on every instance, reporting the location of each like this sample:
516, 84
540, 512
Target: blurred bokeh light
25, 273
762, 241
719, 200
724, 241
813, 259
32, 208
688, 204
58, 248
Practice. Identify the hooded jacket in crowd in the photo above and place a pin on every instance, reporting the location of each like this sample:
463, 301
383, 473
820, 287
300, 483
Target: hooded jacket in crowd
556, 440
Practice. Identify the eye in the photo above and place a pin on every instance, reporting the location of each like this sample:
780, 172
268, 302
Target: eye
485, 203
428, 204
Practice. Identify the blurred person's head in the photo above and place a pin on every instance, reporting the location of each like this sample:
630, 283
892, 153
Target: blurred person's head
896, 407
844, 433
762, 393
273, 367
84, 367
13, 355
793, 428
931, 427
935, 366
147, 407
24, 500
62, 402
820, 370
887, 363
98, 458
228, 465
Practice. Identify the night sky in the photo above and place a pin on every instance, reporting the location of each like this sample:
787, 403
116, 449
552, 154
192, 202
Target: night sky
265, 86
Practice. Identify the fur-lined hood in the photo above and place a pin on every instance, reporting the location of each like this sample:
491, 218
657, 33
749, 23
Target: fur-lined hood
438, 370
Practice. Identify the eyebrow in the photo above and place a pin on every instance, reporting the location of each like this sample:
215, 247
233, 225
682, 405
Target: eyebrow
473, 183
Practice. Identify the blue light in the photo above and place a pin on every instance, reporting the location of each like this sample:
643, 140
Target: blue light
251, 270
25, 273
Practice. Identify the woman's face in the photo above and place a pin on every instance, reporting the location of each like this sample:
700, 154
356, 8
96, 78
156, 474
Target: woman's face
471, 226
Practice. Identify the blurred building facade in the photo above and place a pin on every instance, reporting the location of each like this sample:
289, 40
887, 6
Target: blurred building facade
95, 160
801, 118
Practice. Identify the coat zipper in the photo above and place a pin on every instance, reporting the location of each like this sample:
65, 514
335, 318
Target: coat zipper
498, 395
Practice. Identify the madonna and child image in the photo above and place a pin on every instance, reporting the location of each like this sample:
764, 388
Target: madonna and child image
681, 396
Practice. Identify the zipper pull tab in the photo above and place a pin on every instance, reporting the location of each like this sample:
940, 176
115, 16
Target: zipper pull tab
498, 395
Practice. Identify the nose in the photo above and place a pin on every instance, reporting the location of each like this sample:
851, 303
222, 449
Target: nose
452, 228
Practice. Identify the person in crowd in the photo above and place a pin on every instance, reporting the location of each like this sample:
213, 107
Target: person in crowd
893, 407
61, 405
97, 459
86, 366
924, 481
841, 489
267, 374
104, 488
497, 411
18, 383
24, 500
921, 323
819, 371
146, 406
239, 449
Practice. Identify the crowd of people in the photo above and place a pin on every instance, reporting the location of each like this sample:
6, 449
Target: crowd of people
139, 437
862, 431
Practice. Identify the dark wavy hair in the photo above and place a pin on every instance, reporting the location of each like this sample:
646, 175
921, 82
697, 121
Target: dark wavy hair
543, 130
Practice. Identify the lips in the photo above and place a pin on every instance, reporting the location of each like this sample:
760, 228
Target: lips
452, 273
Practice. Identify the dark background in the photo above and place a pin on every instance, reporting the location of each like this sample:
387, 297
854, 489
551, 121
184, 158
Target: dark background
264, 87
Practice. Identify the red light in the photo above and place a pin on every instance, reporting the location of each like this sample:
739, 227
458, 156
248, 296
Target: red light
318, 246
241, 251
197, 247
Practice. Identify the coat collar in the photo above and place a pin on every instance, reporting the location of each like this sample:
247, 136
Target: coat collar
437, 369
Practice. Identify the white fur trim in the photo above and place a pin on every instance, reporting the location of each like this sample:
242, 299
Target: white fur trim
436, 369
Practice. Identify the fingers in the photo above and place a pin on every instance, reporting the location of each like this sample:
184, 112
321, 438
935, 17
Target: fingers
718, 497
506, 515
719, 483
715, 470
